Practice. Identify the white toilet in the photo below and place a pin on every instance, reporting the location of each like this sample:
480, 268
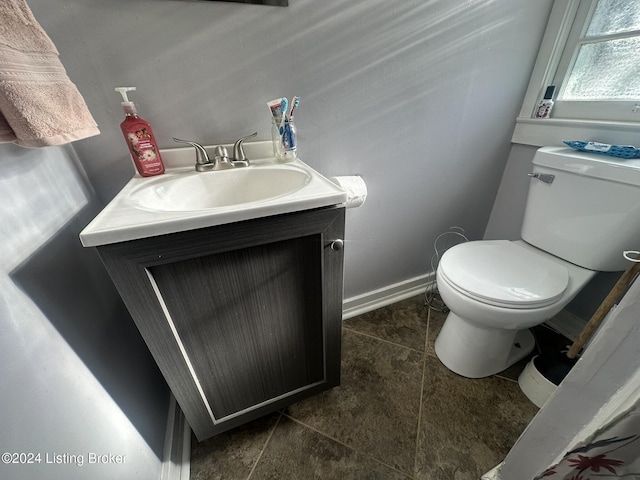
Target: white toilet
582, 212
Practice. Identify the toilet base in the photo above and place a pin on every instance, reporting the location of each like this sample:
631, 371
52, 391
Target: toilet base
476, 352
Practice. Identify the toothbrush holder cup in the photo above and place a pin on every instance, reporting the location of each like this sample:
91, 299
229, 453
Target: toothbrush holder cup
285, 139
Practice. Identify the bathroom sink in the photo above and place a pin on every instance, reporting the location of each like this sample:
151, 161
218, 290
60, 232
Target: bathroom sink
183, 199
208, 190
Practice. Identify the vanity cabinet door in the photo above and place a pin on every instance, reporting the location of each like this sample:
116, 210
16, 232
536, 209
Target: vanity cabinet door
243, 318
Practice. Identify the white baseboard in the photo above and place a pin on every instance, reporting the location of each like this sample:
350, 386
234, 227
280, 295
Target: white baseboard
567, 324
382, 297
176, 461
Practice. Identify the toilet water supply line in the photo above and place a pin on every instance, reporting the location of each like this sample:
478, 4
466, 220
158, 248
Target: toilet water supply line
431, 297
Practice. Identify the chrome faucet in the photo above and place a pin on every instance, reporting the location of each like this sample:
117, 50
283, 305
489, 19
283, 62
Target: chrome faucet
221, 160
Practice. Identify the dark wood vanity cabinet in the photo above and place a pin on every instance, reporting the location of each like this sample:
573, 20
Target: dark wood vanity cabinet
243, 318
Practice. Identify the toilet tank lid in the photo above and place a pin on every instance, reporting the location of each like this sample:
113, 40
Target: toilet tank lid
504, 272
596, 165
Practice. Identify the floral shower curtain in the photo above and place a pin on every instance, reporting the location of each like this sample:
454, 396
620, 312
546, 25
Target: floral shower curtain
612, 452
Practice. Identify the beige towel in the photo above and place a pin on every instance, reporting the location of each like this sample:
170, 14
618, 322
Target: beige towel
39, 105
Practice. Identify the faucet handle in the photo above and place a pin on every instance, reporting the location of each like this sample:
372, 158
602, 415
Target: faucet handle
202, 158
238, 151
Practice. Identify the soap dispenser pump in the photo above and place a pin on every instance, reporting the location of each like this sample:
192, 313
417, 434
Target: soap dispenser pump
140, 138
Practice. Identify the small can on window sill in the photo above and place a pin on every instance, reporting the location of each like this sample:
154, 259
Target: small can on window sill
543, 109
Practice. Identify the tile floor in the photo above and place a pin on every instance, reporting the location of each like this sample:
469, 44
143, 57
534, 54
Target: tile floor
398, 414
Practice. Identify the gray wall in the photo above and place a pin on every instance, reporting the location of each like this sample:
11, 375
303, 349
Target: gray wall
506, 217
418, 97
76, 376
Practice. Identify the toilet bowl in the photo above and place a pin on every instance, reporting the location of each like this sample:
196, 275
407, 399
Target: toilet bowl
581, 214
496, 290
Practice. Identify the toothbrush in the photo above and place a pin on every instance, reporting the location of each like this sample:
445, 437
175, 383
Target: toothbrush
285, 104
295, 101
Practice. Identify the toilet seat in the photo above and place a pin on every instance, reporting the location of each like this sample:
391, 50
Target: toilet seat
503, 274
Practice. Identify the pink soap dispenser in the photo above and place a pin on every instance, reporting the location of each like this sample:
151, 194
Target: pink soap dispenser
140, 139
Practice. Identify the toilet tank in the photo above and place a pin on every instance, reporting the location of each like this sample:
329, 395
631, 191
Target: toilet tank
589, 213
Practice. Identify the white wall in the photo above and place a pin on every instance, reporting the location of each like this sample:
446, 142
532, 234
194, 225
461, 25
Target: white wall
418, 97
76, 376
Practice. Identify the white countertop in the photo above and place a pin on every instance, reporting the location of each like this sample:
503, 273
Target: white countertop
121, 220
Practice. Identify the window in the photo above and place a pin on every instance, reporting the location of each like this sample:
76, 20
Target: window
599, 70
591, 53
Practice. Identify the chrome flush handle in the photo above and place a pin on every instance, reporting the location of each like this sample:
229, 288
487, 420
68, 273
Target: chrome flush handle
544, 177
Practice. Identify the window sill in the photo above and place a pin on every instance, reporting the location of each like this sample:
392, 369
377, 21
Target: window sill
551, 131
